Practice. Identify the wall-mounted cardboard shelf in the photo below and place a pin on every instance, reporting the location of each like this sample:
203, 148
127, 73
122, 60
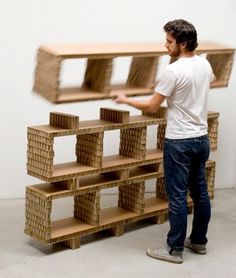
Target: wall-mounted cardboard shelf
96, 84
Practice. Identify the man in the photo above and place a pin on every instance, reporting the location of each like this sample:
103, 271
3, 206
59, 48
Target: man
185, 85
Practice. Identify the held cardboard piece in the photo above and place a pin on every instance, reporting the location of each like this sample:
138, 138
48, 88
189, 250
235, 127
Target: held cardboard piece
100, 59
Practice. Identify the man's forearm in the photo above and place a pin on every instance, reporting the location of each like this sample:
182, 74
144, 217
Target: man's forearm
149, 105
143, 105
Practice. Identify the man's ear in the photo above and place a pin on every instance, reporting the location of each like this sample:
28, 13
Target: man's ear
183, 45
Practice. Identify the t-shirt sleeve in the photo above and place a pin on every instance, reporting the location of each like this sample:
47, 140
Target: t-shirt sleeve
166, 83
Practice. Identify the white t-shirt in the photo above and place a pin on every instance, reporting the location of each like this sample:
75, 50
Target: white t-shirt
186, 83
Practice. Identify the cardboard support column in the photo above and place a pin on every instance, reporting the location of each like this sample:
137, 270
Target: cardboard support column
161, 218
143, 72
162, 115
39, 153
210, 175
47, 75
213, 122
131, 197
160, 188
89, 149
221, 64
133, 142
98, 75
161, 130
73, 243
118, 230
87, 207
38, 216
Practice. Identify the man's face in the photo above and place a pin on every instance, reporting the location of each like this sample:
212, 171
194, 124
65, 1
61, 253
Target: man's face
171, 45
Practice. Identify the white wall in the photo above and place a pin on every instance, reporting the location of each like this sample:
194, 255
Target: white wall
26, 24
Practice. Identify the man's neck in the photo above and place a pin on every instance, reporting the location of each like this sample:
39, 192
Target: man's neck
186, 54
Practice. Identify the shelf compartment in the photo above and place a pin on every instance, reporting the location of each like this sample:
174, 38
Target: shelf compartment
221, 64
145, 171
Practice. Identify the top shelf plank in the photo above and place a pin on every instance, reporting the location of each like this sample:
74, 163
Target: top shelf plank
66, 51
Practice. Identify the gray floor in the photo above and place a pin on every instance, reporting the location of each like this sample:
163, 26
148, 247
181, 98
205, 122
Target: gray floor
103, 255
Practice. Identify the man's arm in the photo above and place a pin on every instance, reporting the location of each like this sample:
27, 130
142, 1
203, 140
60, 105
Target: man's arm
150, 105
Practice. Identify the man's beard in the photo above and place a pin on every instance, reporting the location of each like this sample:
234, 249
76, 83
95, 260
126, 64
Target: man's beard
176, 52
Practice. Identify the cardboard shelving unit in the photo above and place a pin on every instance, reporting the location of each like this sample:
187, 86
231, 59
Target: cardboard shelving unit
91, 172
97, 84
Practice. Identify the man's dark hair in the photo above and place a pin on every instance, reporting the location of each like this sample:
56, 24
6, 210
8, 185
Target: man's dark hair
182, 31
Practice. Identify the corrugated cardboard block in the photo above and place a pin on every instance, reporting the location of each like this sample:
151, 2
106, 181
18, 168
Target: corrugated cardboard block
98, 75
64, 120
47, 75
210, 173
161, 130
114, 115
221, 64
40, 153
133, 142
143, 72
89, 149
87, 207
131, 197
213, 124
38, 215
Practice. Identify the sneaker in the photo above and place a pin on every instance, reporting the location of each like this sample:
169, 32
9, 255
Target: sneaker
197, 248
164, 255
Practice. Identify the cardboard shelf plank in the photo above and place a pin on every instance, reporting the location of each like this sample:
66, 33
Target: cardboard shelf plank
117, 160
155, 204
68, 226
93, 126
118, 49
115, 214
49, 190
74, 94
72, 168
103, 50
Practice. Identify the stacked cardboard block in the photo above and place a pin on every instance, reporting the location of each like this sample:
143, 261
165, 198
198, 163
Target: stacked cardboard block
92, 172
101, 58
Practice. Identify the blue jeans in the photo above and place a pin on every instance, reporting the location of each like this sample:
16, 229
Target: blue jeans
184, 167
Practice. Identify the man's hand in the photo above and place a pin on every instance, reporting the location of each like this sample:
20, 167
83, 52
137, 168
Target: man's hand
119, 97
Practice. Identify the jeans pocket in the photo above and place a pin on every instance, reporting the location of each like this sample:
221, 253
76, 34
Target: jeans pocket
178, 152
